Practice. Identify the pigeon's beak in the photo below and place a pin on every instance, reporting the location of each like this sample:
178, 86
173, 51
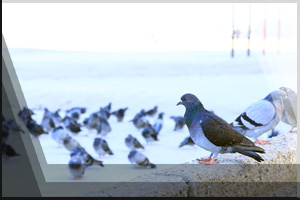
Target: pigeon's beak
179, 103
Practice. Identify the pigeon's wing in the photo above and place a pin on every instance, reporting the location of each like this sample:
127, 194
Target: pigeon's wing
220, 133
290, 110
136, 143
140, 158
105, 146
257, 114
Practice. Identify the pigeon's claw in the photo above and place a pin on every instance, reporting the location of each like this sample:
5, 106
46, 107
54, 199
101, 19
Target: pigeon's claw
262, 142
213, 161
204, 159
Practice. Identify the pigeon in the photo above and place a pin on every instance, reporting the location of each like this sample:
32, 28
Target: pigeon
72, 125
290, 108
149, 133
261, 116
70, 143
132, 143
152, 112
47, 121
76, 166
187, 141
273, 133
119, 114
8, 151
105, 112
158, 124
75, 112
59, 135
214, 134
92, 122
140, 160
57, 119
34, 128
10, 127
26, 113
87, 158
139, 120
179, 122
101, 147
103, 128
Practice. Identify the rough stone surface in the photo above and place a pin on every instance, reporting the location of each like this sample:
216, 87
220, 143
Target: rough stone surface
235, 176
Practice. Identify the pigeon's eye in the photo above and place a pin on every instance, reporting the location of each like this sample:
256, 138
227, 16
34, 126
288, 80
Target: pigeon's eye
187, 98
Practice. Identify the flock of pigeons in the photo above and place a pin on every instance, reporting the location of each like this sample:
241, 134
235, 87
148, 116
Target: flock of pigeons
60, 127
206, 129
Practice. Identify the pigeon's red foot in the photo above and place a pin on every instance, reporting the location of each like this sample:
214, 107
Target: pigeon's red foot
77, 178
262, 142
204, 159
293, 131
213, 161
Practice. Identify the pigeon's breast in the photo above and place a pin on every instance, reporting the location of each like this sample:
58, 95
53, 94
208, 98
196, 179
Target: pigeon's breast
199, 139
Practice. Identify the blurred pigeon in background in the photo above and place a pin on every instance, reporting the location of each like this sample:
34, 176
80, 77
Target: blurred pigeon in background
70, 143
158, 124
75, 112
8, 151
101, 147
25, 114
261, 116
290, 108
34, 128
72, 125
119, 114
187, 141
152, 112
214, 134
140, 160
59, 134
87, 158
132, 143
139, 120
10, 127
92, 122
57, 119
103, 128
179, 122
149, 133
105, 112
47, 121
76, 166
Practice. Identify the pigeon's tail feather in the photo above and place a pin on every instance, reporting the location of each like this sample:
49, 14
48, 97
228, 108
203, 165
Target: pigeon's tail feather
151, 165
251, 148
250, 154
98, 162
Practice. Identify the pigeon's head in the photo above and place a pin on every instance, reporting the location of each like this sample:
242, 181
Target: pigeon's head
286, 89
188, 99
276, 96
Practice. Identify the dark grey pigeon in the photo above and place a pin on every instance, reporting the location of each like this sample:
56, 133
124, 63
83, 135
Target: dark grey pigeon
25, 114
187, 142
92, 122
72, 125
87, 158
76, 166
132, 143
158, 124
8, 151
179, 122
261, 116
75, 112
119, 114
34, 128
152, 112
214, 134
149, 133
101, 147
140, 160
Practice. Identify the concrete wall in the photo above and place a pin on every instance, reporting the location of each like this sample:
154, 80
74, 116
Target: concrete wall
235, 176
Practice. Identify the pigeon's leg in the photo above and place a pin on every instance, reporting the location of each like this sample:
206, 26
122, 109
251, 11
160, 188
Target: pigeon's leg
262, 142
205, 159
77, 178
213, 161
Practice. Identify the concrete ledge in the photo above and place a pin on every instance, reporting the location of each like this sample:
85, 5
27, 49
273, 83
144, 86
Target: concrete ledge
235, 176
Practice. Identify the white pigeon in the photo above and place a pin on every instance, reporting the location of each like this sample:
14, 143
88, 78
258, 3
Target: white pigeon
290, 108
261, 116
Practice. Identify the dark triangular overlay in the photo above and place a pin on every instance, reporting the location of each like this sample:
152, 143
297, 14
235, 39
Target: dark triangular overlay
18, 176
